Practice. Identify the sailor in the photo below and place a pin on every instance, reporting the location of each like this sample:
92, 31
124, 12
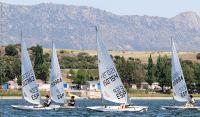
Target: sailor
71, 102
123, 106
47, 101
191, 102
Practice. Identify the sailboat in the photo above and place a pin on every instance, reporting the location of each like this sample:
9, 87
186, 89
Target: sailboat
112, 88
180, 92
30, 89
57, 91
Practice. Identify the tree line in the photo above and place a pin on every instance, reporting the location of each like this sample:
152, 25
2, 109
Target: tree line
10, 63
83, 67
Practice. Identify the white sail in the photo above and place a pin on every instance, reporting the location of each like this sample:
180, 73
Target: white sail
56, 87
112, 88
180, 91
29, 87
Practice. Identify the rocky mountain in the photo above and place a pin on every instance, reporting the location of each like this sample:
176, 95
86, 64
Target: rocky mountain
72, 27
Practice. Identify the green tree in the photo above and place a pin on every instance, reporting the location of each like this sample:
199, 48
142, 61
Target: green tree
9, 68
73, 73
81, 77
121, 65
42, 72
130, 70
41, 68
189, 72
197, 76
150, 78
38, 55
136, 70
198, 56
19, 80
11, 50
3, 78
163, 71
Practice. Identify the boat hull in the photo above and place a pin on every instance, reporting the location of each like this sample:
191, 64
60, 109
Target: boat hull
67, 107
179, 107
35, 108
117, 108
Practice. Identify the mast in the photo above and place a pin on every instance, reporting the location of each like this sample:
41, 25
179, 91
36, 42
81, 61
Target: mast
96, 29
171, 76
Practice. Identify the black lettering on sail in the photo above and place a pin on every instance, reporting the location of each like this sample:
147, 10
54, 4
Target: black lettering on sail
110, 79
56, 82
35, 96
60, 96
27, 81
177, 77
119, 92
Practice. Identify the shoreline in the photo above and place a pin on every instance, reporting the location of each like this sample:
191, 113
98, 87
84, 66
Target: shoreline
131, 98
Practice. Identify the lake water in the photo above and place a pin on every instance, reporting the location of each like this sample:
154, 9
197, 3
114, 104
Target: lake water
153, 111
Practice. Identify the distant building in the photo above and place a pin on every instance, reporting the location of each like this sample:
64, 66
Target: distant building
45, 87
12, 85
155, 86
42, 85
93, 85
134, 86
71, 86
143, 85
4, 86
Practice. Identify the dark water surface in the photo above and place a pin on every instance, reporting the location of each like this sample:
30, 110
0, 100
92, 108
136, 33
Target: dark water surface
153, 111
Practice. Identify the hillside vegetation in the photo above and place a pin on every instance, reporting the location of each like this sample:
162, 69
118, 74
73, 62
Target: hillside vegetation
143, 56
81, 66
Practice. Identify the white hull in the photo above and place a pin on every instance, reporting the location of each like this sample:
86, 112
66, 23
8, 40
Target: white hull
117, 108
67, 107
35, 108
179, 107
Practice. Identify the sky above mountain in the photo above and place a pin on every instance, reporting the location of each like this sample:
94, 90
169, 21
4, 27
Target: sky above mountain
162, 8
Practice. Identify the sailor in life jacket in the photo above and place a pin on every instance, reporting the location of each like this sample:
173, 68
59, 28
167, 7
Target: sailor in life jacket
47, 101
191, 102
71, 102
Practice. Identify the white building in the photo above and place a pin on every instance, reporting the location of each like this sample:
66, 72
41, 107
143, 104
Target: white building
156, 86
93, 85
134, 86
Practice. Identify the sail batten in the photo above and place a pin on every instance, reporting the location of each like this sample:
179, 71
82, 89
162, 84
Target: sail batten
112, 88
180, 91
30, 89
56, 86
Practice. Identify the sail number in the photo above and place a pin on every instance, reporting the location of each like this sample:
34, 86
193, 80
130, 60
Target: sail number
61, 95
35, 96
177, 80
119, 92
28, 77
109, 76
183, 94
110, 79
56, 82
35, 93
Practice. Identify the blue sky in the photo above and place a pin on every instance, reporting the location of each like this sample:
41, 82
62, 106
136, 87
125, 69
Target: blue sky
163, 8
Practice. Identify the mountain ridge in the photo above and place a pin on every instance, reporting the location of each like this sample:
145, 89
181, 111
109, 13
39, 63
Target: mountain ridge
72, 27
